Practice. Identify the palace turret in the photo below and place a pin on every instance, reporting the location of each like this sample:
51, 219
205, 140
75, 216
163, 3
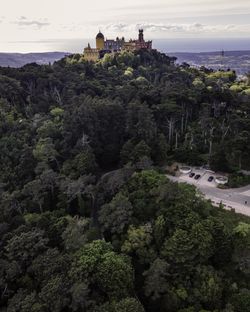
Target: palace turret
100, 41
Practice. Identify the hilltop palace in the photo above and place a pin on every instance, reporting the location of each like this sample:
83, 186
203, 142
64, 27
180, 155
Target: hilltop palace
119, 44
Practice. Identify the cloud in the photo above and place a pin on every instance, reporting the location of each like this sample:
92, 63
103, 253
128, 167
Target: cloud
177, 28
24, 21
119, 27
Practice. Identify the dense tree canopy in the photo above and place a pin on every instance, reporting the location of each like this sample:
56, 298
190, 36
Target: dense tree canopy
88, 221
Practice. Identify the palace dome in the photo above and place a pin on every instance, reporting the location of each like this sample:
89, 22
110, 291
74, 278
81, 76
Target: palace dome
99, 36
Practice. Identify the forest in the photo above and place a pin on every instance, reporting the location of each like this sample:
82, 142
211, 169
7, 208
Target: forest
88, 219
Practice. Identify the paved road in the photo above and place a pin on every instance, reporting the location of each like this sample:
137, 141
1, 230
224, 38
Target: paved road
230, 198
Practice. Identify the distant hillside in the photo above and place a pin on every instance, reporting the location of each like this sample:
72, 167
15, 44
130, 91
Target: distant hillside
20, 59
236, 60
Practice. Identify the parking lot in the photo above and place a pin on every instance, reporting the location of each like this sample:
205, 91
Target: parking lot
203, 180
232, 199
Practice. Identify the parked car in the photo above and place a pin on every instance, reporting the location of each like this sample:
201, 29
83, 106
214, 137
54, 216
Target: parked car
210, 179
197, 176
192, 174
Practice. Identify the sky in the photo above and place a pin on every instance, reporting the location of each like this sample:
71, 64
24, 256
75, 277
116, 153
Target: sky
48, 25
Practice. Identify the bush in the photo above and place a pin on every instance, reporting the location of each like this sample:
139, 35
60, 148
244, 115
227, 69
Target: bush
238, 180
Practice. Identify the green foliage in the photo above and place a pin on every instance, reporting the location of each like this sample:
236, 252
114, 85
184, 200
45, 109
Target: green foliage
86, 224
125, 305
156, 279
242, 230
45, 150
110, 272
141, 189
89, 256
82, 163
208, 287
241, 301
247, 91
134, 153
219, 162
237, 180
223, 75
25, 302
138, 242
241, 242
24, 247
75, 236
179, 250
116, 215
236, 88
114, 275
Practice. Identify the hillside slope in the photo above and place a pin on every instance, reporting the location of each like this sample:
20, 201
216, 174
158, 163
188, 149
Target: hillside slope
88, 219
235, 60
20, 59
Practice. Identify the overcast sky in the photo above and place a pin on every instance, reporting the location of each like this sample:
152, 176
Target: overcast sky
32, 21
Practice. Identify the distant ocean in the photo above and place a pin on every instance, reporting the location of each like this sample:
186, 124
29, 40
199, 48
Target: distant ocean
202, 45
164, 45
